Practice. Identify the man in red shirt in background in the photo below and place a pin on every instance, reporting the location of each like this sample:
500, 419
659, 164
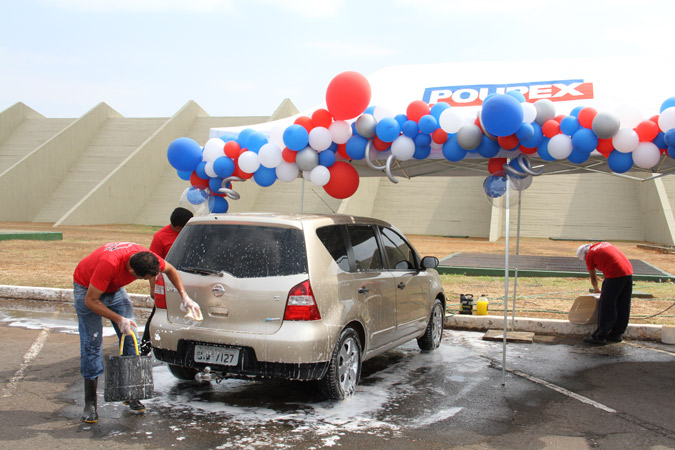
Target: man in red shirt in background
98, 288
617, 288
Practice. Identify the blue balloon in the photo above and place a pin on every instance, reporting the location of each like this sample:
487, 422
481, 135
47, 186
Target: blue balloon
296, 137
218, 204
422, 140
401, 119
184, 154
517, 95
333, 147
669, 103
584, 140
255, 140
326, 158
525, 132
428, 124
578, 156
369, 110
223, 166
487, 147
542, 150
356, 147
516, 165
536, 138
501, 115
201, 173
215, 183
569, 125
387, 129
243, 136
438, 109
410, 129
196, 196
660, 140
575, 111
671, 151
495, 186
451, 149
669, 137
227, 138
265, 176
620, 162
184, 175
422, 152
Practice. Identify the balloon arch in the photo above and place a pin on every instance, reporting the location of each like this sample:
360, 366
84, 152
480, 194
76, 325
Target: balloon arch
323, 145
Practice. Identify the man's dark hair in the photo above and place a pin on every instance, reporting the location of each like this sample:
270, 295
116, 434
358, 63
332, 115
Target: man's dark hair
180, 216
144, 263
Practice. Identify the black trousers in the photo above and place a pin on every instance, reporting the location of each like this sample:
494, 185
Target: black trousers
614, 307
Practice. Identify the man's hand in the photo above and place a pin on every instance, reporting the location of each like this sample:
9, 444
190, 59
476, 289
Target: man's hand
125, 325
193, 310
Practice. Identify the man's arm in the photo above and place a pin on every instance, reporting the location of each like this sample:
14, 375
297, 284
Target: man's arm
190, 305
594, 280
93, 301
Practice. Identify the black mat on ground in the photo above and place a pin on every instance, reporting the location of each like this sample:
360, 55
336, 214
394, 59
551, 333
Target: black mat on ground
544, 263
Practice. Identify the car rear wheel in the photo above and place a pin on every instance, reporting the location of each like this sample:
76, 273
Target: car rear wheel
344, 369
183, 373
434, 333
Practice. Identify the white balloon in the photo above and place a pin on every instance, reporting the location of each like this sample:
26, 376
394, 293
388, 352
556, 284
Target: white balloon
667, 119
629, 115
382, 112
208, 168
626, 140
320, 175
529, 112
450, 120
277, 135
403, 148
340, 131
269, 155
646, 155
248, 162
320, 138
560, 146
213, 149
287, 172
306, 175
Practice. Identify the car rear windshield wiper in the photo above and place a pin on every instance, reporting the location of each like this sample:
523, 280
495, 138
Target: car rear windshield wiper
201, 271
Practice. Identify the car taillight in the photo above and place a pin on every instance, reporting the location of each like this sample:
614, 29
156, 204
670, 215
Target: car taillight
160, 296
300, 304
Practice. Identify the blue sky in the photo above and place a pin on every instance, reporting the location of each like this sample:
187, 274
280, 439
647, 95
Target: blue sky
147, 58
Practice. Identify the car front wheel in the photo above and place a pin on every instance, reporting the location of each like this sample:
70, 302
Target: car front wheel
344, 368
434, 333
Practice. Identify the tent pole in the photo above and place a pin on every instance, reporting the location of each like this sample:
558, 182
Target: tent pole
515, 280
506, 282
302, 194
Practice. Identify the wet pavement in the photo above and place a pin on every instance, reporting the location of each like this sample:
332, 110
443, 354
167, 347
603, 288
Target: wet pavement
558, 393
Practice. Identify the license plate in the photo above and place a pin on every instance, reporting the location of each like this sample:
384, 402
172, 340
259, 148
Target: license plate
216, 355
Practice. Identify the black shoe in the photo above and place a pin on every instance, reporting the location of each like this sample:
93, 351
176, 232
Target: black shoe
614, 338
135, 405
89, 414
594, 341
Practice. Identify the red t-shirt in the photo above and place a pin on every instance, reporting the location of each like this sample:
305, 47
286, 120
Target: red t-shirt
163, 240
609, 259
106, 267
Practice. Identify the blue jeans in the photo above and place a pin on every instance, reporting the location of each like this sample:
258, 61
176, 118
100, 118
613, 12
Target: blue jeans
90, 326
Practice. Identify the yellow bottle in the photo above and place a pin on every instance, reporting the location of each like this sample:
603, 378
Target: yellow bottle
482, 306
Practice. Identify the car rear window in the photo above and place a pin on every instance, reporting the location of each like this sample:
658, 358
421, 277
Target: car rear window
245, 251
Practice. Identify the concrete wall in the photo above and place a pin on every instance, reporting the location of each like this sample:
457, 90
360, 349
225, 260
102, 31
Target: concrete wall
12, 117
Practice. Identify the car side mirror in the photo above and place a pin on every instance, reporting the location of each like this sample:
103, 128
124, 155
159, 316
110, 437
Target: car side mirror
430, 262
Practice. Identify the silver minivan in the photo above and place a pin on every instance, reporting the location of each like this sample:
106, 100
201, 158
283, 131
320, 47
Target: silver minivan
297, 296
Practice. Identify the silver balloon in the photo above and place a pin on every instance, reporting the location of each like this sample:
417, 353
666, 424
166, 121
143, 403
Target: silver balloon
469, 136
307, 159
365, 126
545, 110
605, 125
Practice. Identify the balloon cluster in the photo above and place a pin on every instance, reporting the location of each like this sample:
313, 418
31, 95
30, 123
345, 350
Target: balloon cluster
321, 146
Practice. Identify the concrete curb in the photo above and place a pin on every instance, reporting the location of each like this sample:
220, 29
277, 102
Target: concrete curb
457, 321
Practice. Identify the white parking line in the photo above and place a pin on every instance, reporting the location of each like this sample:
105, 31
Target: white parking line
32, 352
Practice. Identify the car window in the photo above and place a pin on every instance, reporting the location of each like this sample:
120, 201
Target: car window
245, 251
331, 237
364, 245
399, 253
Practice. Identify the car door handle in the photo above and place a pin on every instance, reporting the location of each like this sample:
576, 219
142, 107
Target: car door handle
363, 290
401, 285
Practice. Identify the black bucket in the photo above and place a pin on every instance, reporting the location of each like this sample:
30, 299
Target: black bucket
128, 377
466, 303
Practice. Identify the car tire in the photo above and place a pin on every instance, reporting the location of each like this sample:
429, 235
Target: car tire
183, 373
344, 368
434, 333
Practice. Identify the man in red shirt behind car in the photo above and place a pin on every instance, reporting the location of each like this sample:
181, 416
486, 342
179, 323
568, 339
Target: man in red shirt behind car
166, 236
617, 288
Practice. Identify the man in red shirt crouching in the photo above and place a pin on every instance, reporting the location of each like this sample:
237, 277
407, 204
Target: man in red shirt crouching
98, 287
617, 288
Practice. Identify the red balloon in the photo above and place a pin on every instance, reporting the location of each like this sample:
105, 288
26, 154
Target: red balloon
527, 150
380, 145
232, 149
496, 164
605, 147
347, 95
344, 180
304, 122
288, 155
559, 117
198, 182
241, 174
321, 118
655, 118
508, 142
417, 109
647, 130
550, 128
586, 116
439, 136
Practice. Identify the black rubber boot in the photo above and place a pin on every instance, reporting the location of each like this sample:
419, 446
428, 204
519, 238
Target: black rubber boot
90, 415
135, 405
